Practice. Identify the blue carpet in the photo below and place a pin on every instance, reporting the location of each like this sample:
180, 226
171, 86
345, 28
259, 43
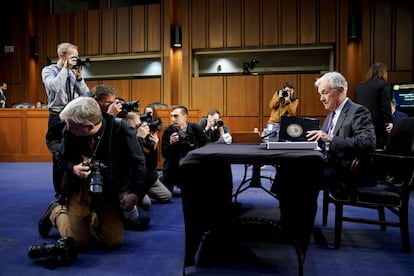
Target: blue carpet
26, 190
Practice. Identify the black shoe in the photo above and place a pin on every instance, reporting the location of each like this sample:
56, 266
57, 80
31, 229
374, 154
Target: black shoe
139, 224
44, 223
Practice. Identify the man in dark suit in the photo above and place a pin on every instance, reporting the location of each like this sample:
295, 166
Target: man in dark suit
347, 131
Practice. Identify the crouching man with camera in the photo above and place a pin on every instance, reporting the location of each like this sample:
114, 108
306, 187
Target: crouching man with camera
177, 140
97, 156
215, 129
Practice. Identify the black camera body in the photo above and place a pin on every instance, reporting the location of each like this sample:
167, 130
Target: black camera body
285, 93
183, 137
218, 123
80, 61
96, 178
155, 125
130, 106
63, 252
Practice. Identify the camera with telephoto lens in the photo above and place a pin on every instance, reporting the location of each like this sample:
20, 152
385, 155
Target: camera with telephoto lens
130, 106
218, 123
153, 125
183, 137
285, 93
63, 252
96, 178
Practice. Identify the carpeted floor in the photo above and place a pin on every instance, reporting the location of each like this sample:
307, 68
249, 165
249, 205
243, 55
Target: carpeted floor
26, 190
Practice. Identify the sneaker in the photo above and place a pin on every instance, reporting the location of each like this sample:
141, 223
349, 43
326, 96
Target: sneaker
44, 223
139, 223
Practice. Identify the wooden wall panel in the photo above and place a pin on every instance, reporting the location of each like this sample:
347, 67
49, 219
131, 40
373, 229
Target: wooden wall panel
123, 30
93, 31
138, 29
308, 22
242, 123
79, 32
243, 95
215, 24
11, 133
233, 23
289, 23
404, 36
327, 21
122, 87
51, 36
270, 25
154, 28
64, 28
251, 23
309, 100
382, 32
108, 31
36, 132
198, 24
208, 93
146, 91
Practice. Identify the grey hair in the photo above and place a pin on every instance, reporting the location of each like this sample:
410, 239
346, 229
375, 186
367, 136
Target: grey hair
83, 111
335, 80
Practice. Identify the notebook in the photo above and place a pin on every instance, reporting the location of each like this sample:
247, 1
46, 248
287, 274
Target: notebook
294, 129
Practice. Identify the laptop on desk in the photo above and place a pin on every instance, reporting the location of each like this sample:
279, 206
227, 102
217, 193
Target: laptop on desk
292, 133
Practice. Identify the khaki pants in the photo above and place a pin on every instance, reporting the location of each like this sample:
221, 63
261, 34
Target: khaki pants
78, 222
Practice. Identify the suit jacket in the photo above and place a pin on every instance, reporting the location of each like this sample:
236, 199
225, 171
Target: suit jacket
354, 134
375, 95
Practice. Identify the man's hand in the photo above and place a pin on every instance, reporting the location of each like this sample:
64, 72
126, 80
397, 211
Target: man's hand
128, 201
115, 108
81, 170
316, 135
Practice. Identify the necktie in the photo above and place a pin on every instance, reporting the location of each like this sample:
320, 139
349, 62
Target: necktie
330, 125
68, 89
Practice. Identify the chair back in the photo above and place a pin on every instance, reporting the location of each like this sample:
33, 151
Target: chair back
401, 139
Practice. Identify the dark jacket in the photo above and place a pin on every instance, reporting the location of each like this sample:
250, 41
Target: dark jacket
354, 134
375, 95
212, 135
117, 150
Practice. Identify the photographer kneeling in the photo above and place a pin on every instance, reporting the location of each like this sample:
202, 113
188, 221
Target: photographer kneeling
98, 154
215, 129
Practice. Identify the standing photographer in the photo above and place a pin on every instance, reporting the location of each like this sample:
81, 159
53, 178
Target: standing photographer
177, 140
283, 103
63, 82
104, 173
215, 129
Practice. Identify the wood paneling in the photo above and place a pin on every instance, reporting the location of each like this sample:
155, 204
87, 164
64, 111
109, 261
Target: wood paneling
242, 95
65, 32
154, 28
22, 132
108, 29
404, 35
289, 23
122, 87
138, 29
308, 22
198, 24
208, 93
146, 91
123, 30
270, 25
215, 24
79, 32
93, 31
309, 100
251, 23
382, 32
51, 35
233, 23
327, 21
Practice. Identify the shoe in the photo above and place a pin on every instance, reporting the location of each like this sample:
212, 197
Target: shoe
44, 223
138, 224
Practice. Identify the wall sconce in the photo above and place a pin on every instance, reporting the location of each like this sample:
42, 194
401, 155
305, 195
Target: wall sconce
176, 37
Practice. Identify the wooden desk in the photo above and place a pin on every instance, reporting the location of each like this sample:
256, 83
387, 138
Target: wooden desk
22, 135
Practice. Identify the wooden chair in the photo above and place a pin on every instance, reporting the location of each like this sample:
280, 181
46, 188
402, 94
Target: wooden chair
391, 187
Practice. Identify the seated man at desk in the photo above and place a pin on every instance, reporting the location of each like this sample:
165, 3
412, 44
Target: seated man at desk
177, 140
347, 132
215, 129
